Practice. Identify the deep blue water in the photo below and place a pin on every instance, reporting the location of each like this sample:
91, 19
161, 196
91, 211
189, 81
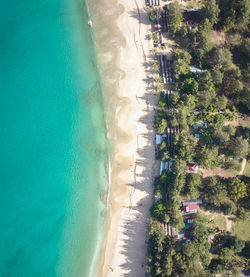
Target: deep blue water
52, 140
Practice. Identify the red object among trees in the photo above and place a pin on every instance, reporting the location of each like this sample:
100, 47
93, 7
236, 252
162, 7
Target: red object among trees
190, 207
192, 167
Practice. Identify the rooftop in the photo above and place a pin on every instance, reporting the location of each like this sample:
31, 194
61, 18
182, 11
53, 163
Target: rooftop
192, 167
191, 207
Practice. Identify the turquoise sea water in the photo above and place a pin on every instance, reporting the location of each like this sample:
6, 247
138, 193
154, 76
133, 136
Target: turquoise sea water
52, 139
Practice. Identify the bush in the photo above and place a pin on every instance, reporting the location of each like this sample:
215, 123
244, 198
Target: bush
217, 77
238, 147
233, 165
159, 212
241, 214
162, 126
228, 207
175, 16
153, 15
189, 85
155, 36
246, 250
162, 102
181, 61
236, 189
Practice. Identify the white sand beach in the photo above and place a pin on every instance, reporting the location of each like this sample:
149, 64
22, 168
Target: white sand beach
131, 193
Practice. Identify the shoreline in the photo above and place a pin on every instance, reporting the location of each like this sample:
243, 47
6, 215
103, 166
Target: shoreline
133, 158
108, 44
125, 54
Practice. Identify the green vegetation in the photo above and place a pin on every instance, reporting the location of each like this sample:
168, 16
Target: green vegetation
159, 212
237, 189
247, 169
238, 147
192, 185
208, 157
169, 258
234, 166
241, 228
203, 125
161, 122
162, 102
153, 15
220, 222
175, 17
210, 11
222, 59
155, 36
181, 60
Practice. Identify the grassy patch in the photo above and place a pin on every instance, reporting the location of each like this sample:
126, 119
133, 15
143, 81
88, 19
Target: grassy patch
236, 168
241, 228
198, 4
215, 219
220, 222
244, 122
247, 169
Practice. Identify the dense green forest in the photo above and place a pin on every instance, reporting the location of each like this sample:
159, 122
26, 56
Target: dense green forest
209, 113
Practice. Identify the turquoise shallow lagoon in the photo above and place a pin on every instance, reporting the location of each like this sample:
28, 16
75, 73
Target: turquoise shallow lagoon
53, 155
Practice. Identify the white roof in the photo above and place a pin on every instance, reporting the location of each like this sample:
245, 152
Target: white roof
201, 124
198, 136
193, 201
190, 212
158, 139
191, 10
196, 69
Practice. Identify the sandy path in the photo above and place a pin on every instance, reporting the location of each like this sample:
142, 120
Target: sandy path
125, 253
229, 222
216, 172
243, 165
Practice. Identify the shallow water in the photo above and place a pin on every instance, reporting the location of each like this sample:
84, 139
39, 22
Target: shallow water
53, 140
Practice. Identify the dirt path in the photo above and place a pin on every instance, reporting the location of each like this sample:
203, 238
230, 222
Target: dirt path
217, 172
229, 222
243, 165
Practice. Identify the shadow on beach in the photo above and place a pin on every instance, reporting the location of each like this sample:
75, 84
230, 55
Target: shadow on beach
146, 168
142, 16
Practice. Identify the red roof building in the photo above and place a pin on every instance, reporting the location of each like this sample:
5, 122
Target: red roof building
190, 207
192, 167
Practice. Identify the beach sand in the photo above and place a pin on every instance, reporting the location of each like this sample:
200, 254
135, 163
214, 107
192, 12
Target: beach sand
133, 159
125, 51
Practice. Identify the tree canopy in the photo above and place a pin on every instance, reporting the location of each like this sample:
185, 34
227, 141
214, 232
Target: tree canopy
210, 11
215, 191
181, 61
189, 85
175, 16
222, 58
237, 189
208, 157
159, 212
238, 147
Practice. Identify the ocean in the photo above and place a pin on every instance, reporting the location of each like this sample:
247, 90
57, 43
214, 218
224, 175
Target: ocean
54, 150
